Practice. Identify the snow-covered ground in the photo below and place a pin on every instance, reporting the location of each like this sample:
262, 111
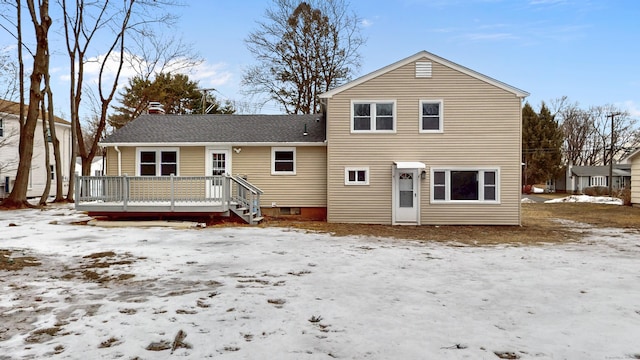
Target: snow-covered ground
588, 199
270, 293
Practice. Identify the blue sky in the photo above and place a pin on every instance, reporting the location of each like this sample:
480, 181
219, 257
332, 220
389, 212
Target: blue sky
585, 49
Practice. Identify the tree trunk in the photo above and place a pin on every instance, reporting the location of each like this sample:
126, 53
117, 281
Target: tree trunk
47, 163
54, 137
18, 196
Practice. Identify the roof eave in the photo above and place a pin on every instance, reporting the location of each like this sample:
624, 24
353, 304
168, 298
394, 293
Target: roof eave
179, 144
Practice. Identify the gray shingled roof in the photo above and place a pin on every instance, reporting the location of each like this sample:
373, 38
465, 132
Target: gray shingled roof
599, 171
159, 128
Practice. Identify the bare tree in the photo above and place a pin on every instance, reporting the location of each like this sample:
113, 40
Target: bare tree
47, 163
613, 144
303, 49
82, 21
588, 135
41, 22
157, 53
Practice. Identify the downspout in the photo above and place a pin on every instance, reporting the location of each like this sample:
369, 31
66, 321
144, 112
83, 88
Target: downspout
119, 160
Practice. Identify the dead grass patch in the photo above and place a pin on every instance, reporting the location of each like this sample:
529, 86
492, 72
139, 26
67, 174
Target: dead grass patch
10, 262
539, 225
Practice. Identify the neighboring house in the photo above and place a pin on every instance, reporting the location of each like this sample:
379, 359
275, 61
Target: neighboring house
421, 141
97, 166
578, 178
634, 162
9, 156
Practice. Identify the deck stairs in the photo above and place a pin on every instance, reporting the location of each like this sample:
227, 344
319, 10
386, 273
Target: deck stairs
245, 200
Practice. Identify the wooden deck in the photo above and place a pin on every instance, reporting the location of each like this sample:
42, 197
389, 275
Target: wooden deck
166, 195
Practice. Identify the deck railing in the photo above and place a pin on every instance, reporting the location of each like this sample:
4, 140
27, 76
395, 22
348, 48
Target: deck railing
247, 196
158, 194
171, 191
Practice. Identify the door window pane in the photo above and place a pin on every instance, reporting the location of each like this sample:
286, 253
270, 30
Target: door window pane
218, 164
405, 186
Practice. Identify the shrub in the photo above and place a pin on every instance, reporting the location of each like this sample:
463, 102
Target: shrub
625, 195
596, 190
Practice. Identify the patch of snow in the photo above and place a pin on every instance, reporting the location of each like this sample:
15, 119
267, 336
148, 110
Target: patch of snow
588, 199
248, 292
526, 200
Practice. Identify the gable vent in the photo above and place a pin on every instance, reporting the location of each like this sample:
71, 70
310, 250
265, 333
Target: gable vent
423, 69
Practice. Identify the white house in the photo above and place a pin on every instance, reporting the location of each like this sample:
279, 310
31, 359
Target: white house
9, 156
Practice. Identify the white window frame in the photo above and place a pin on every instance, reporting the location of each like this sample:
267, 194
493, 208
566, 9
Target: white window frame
273, 160
356, 169
481, 185
158, 164
598, 180
440, 102
373, 129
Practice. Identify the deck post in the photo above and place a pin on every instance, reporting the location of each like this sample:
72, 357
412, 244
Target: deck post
77, 189
172, 187
125, 191
250, 207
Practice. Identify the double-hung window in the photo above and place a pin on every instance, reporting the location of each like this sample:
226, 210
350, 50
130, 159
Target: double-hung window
356, 176
431, 116
464, 185
283, 161
376, 116
157, 162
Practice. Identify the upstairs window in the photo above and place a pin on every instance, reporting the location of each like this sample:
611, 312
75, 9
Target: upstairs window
1, 128
468, 185
430, 116
373, 116
283, 161
157, 162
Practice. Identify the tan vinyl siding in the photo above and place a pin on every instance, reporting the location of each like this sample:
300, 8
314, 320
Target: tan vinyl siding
635, 180
111, 165
308, 188
482, 128
192, 161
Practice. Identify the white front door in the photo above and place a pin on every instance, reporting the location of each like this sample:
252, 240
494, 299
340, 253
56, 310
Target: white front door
219, 163
406, 200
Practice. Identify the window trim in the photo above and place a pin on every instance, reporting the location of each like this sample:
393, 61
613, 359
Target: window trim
273, 161
481, 186
373, 130
158, 151
440, 115
356, 182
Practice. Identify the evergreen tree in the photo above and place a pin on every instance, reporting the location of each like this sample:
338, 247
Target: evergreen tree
176, 92
542, 141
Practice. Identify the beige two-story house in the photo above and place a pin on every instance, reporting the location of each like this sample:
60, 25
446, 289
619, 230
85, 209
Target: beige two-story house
424, 141
421, 141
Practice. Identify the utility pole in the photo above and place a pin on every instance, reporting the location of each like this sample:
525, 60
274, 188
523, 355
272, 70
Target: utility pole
204, 99
612, 116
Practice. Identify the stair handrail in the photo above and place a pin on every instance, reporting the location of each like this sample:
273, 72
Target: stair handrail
249, 186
